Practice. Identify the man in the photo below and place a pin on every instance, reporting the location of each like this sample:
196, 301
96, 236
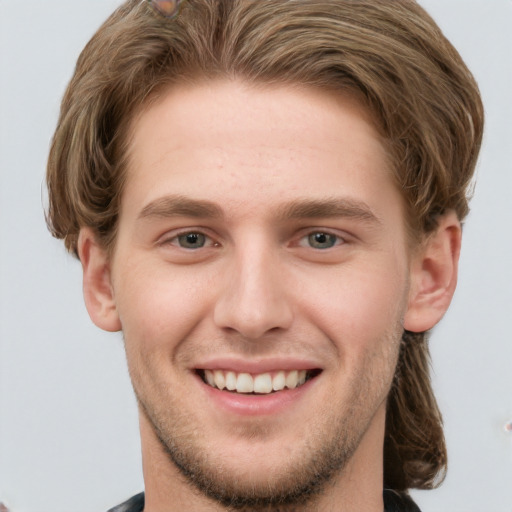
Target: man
266, 199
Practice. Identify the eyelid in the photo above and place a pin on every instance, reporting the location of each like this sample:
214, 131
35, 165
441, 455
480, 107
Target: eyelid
342, 238
172, 236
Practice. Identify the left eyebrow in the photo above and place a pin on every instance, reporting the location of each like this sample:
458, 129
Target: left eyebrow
330, 207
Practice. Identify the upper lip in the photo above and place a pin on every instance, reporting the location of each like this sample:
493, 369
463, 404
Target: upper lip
257, 366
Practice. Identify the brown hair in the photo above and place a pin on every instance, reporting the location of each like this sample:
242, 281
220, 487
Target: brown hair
424, 100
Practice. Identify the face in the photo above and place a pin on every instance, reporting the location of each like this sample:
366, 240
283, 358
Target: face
261, 277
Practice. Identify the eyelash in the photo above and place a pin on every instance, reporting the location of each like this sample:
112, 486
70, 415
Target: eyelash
174, 240
335, 240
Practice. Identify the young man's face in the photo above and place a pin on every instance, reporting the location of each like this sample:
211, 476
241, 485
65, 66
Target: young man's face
261, 243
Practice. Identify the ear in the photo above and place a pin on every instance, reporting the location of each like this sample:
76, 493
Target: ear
434, 275
98, 291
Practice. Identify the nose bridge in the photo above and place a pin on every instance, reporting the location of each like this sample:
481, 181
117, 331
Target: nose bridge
254, 299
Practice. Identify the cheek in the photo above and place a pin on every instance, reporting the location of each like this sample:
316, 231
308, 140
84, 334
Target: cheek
360, 305
160, 305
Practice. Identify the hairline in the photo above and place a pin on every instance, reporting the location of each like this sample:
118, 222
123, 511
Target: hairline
415, 235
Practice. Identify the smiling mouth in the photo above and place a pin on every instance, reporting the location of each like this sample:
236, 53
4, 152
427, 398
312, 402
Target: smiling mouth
260, 384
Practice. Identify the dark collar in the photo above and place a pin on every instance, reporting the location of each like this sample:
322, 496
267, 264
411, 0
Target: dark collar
393, 502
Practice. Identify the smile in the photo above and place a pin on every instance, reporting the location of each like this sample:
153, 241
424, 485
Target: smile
263, 383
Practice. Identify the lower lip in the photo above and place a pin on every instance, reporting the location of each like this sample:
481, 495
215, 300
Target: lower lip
256, 405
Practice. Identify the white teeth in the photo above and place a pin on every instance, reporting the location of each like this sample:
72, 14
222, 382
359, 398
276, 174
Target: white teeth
219, 379
263, 383
279, 381
292, 379
209, 377
231, 381
244, 383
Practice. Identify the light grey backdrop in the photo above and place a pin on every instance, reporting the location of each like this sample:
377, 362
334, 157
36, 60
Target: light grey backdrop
68, 423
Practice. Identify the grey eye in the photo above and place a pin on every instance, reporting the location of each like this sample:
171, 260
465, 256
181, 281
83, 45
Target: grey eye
321, 240
192, 240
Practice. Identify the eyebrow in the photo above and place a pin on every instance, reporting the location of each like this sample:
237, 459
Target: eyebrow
329, 207
177, 205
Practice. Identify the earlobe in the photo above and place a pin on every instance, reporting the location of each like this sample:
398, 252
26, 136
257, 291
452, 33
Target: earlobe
434, 275
98, 291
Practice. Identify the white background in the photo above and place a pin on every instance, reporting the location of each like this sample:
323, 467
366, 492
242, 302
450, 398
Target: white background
68, 423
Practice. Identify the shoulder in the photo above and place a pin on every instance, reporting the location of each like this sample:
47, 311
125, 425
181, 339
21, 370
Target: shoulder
134, 504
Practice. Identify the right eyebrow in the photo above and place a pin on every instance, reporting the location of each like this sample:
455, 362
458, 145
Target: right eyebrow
176, 206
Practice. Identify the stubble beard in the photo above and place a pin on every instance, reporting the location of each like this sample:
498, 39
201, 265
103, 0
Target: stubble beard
299, 484
302, 479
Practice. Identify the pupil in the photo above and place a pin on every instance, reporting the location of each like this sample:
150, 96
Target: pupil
192, 240
322, 240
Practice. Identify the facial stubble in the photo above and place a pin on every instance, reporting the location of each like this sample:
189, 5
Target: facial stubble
320, 458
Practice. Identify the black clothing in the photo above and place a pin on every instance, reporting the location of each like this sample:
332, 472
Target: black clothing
396, 502
135, 504
393, 502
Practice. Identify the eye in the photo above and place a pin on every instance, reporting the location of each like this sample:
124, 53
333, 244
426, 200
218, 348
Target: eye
320, 240
188, 245
191, 240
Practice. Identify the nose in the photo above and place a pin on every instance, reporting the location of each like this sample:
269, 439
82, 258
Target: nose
255, 298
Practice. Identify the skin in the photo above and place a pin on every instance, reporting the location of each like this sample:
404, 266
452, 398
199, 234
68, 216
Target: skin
259, 171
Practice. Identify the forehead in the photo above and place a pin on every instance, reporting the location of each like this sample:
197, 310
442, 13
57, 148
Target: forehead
249, 146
